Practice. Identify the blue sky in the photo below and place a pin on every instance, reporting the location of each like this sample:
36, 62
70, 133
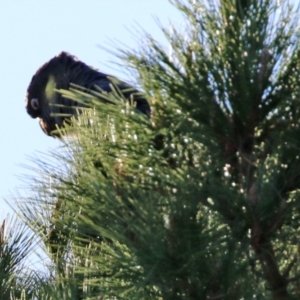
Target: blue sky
32, 32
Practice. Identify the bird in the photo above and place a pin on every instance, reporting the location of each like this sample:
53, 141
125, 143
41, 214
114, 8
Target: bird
52, 110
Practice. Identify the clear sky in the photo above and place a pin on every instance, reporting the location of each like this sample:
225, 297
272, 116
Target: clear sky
31, 33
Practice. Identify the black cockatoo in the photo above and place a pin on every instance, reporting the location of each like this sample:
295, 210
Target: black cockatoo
43, 102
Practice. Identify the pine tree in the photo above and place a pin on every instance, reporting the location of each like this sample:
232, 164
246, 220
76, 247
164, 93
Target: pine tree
16, 242
200, 202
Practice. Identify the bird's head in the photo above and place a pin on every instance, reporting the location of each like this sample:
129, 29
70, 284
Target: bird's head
42, 99
40, 102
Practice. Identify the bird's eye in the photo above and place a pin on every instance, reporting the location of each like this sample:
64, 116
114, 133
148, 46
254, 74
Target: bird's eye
35, 103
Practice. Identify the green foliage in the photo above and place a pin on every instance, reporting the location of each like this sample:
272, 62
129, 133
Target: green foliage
16, 242
200, 202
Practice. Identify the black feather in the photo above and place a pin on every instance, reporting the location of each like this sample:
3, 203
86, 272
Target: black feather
43, 102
